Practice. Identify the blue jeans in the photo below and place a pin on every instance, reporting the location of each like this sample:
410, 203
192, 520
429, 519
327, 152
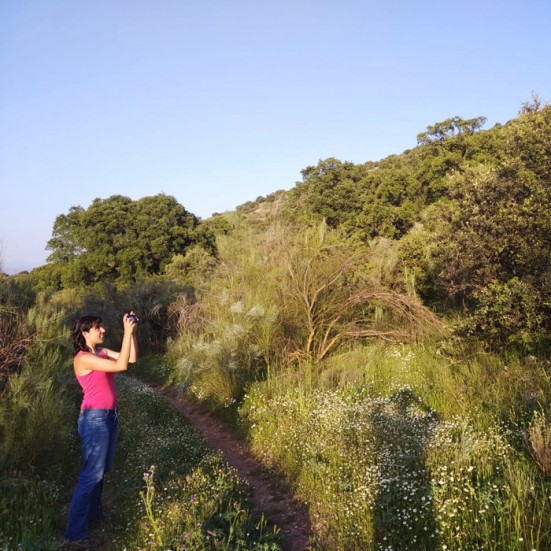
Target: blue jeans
98, 430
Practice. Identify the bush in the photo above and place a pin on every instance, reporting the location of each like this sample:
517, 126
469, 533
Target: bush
493, 249
15, 340
511, 314
35, 438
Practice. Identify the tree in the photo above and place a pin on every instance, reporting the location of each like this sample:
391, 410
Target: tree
330, 191
450, 128
494, 248
120, 240
66, 241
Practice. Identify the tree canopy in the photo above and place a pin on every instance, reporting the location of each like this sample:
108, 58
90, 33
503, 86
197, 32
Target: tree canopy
486, 194
120, 240
449, 128
494, 241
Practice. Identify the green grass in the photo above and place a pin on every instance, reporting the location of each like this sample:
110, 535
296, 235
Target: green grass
151, 368
34, 444
393, 447
451, 377
198, 503
410, 447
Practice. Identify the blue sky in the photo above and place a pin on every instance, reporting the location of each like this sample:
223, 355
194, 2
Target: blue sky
217, 102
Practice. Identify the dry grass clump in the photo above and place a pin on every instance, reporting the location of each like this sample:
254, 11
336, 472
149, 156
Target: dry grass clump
15, 340
539, 441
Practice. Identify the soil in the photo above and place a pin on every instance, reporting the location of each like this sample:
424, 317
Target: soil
270, 495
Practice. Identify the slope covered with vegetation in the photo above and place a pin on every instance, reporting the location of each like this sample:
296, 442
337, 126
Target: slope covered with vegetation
380, 334
466, 213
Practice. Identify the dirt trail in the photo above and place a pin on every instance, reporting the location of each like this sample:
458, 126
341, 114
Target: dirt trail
269, 493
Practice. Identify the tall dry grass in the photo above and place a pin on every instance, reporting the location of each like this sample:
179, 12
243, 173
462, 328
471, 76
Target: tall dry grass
285, 299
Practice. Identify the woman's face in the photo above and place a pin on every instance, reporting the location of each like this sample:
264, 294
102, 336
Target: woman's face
94, 336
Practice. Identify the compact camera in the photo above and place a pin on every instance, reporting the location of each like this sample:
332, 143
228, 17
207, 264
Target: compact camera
134, 318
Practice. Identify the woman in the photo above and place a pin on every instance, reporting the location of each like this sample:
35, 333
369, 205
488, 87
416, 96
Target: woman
98, 427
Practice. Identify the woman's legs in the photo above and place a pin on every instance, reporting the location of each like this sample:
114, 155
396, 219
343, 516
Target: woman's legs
98, 430
96, 509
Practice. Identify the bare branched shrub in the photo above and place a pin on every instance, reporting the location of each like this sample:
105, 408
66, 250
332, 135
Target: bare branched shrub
285, 296
408, 319
539, 442
331, 299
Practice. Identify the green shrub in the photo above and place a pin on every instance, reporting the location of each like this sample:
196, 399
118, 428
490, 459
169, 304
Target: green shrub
510, 314
35, 438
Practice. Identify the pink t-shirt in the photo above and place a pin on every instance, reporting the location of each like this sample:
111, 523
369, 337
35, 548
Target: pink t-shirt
98, 387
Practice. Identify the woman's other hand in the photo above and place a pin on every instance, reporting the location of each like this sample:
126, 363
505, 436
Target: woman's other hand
130, 323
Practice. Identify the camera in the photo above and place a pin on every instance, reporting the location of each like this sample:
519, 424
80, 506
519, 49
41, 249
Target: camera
134, 318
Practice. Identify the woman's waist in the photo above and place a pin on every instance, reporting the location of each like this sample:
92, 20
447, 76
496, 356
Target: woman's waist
106, 410
105, 403
105, 398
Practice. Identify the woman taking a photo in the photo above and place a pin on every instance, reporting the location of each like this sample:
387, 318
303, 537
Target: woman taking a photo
95, 367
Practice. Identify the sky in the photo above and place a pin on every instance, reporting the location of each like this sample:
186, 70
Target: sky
218, 102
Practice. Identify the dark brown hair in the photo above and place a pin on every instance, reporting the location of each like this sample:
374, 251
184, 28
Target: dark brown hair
84, 323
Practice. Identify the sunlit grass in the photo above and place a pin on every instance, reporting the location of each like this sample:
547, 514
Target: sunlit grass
401, 447
199, 503
426, 446
34, 440
181, 514
452, 378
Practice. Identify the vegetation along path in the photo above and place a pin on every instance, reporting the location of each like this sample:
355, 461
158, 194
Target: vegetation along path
270, 495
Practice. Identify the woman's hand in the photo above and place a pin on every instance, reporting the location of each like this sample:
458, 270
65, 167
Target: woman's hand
130, 323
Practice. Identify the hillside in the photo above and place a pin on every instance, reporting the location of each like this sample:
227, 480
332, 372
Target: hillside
466, 213
378, 334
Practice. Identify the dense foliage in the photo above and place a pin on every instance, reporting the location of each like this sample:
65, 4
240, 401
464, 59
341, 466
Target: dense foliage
118, 240
464, 214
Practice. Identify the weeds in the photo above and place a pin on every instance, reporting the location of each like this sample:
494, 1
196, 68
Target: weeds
539, 440
204, 510
386, 471
171, 490
190, 491
147, 497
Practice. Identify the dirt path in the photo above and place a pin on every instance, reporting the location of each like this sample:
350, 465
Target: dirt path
269, 493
